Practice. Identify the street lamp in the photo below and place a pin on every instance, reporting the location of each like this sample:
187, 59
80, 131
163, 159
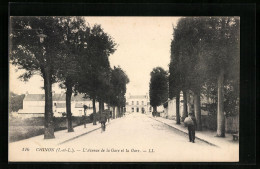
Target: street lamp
42, 36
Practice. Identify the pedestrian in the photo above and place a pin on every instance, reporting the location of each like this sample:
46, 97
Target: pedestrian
103, 120
190, 121
154, 113
108, 115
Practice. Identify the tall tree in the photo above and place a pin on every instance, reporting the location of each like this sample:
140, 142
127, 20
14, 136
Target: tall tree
186, 54
158, 87
94, 65
217, 57
75, 33
35, 43
223, 61
119, 80
209, 46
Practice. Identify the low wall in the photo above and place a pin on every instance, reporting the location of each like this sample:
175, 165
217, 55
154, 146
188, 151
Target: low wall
231, 123
21, 128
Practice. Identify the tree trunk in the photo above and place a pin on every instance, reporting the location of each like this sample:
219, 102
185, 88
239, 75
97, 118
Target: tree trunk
114, 112
197, 109
221, 116
122, 111
103, 106
68, 107
100, 106
155, 108
188, 101
185, 112
85, 116
119, 111
48, 114
94, 112
178, 121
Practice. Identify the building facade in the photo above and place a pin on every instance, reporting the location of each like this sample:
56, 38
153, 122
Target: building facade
33, 105
138, 104
170, 108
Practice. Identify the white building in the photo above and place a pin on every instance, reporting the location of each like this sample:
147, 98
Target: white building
33, 105
138, 103
170, 108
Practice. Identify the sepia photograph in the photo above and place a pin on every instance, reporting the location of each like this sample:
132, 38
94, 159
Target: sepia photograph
124, 88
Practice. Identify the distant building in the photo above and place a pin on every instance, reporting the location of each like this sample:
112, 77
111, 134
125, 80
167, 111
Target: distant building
138, 103
33, 105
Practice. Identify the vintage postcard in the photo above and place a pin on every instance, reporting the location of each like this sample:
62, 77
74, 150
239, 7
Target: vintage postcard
124, 89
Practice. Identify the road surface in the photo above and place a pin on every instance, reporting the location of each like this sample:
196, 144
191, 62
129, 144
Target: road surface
133, 138
137, 137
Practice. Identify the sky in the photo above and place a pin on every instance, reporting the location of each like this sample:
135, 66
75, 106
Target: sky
143, 43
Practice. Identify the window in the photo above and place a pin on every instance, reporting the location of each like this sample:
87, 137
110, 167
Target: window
137, 109
150, 109
137, 102
132, 102
142, 102
55, 104
133, 109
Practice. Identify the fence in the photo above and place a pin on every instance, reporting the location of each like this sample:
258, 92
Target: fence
232, 124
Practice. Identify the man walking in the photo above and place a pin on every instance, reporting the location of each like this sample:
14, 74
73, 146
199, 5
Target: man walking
103, 120
190, 121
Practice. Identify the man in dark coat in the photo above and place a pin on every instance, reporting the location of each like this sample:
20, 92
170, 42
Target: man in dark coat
103, 120
107, 112
191, 128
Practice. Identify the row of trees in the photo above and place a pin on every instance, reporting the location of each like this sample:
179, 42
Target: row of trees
69, 52
204, 60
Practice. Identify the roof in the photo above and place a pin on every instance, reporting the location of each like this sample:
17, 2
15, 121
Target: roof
79, 97
55, 97
34, 97
137, 97
61, 105
78, 105
59, 97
